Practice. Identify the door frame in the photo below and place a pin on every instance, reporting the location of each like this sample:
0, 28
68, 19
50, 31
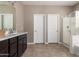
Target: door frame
58, 27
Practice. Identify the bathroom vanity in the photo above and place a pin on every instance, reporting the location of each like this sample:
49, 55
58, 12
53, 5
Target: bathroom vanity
13, 45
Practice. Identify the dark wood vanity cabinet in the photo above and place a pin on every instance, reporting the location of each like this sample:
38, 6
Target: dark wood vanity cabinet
13, 47
22, 44
4, 48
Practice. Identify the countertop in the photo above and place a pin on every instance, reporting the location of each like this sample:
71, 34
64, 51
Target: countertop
12, 35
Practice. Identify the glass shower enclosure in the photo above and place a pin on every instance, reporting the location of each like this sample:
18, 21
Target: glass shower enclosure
71, 32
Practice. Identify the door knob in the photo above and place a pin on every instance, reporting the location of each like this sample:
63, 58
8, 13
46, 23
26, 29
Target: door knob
57, 31
35, 30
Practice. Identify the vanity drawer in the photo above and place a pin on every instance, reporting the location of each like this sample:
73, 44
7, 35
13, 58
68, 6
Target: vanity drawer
22, 36
13, 40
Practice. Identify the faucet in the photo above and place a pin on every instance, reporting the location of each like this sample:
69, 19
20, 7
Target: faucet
10, 31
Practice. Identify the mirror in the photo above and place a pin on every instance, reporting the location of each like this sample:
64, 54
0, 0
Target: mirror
7, 17
6, 21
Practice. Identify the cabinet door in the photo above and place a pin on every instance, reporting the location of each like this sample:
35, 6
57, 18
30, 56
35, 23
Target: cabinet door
13, 49
4, 48
24, 42
20, 46
25, 38
13, 46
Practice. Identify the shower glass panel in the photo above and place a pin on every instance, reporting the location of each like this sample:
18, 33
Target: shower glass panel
66, 30
74, 38
69, 29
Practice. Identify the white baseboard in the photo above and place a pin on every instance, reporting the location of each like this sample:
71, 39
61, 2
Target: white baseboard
60, 43
30, 43
46, 42
34, 43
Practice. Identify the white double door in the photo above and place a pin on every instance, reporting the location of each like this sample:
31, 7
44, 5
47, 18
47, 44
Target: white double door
45, 28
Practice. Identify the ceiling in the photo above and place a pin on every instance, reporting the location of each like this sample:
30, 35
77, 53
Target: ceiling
55, 3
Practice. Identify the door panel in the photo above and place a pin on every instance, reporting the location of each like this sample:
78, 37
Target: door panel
38, 28
52, 28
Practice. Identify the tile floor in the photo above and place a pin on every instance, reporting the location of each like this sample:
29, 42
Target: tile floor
49, 50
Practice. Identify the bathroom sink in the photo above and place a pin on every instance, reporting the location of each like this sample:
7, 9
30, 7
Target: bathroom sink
11, 34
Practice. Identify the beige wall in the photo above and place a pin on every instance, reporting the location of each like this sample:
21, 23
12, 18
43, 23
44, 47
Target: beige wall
29, 10
19, 17
76, 7
7, 9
